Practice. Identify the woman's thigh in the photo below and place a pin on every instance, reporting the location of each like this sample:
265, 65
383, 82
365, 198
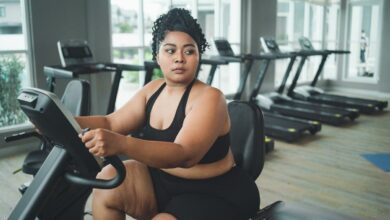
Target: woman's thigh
135, 196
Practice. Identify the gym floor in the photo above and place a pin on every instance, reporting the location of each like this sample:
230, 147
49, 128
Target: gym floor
324, 171
327, 170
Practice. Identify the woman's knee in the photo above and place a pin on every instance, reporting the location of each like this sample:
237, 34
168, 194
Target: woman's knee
114, 197
134, 196
107, 172
164, 216
132, 168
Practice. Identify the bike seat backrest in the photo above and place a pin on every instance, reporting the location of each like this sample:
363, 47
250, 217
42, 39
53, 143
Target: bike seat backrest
247, 136
76, 97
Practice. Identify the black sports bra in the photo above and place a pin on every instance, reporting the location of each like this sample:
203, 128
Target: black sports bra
217, 151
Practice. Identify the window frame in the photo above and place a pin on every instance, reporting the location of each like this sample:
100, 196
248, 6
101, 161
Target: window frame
3, 12
193, 6
31, 79
346, 65
320, 42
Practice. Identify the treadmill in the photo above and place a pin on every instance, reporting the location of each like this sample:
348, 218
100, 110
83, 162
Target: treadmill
77, 59
312, 93
278, 102
275, 125
225, 52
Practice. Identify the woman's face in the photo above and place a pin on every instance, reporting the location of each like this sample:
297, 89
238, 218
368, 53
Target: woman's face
178, 57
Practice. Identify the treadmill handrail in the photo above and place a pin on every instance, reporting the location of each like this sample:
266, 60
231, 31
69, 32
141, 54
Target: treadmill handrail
338, 51
213, 60
73, 71
307, 53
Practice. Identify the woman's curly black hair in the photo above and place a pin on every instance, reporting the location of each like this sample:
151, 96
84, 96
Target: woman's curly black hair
177, 19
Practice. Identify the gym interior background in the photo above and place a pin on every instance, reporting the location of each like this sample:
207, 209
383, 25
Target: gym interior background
325, 170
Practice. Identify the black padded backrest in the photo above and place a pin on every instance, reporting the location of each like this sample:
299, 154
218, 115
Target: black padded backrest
76, 97
247, 136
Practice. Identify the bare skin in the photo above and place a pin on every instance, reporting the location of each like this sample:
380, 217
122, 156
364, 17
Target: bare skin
206, 116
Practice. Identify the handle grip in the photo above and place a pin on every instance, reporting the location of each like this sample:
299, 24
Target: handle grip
23, 135
99, 183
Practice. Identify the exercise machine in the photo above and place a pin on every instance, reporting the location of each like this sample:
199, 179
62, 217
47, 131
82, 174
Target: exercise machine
283, 104
312, 93
77, 59
76, 99
276, 125
61, 187
226, 52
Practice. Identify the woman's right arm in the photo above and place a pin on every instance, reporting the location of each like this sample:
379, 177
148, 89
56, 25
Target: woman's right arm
124, 120
93, 122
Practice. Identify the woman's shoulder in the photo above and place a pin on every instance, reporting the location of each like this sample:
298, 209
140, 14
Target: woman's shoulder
152, 86
205, 92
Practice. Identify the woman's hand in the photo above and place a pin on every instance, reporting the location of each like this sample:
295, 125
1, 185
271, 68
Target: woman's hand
101, 142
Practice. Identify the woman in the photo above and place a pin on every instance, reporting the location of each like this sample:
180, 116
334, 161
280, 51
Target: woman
182, 166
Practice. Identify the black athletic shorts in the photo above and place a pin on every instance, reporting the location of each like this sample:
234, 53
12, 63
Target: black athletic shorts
233, 195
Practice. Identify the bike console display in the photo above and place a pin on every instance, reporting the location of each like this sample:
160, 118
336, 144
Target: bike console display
55, 122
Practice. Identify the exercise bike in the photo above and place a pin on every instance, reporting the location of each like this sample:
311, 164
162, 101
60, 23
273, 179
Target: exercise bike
65, 180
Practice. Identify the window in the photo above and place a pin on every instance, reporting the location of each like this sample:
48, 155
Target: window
317, 20
151, 11
2, 11
332, 16
132, 36
14, 62
125, 43
363, 20
228, 25
206, 15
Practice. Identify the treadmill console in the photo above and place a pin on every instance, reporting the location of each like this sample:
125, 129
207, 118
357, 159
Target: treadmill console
73, 52
305, 43
269, 45
223, 47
